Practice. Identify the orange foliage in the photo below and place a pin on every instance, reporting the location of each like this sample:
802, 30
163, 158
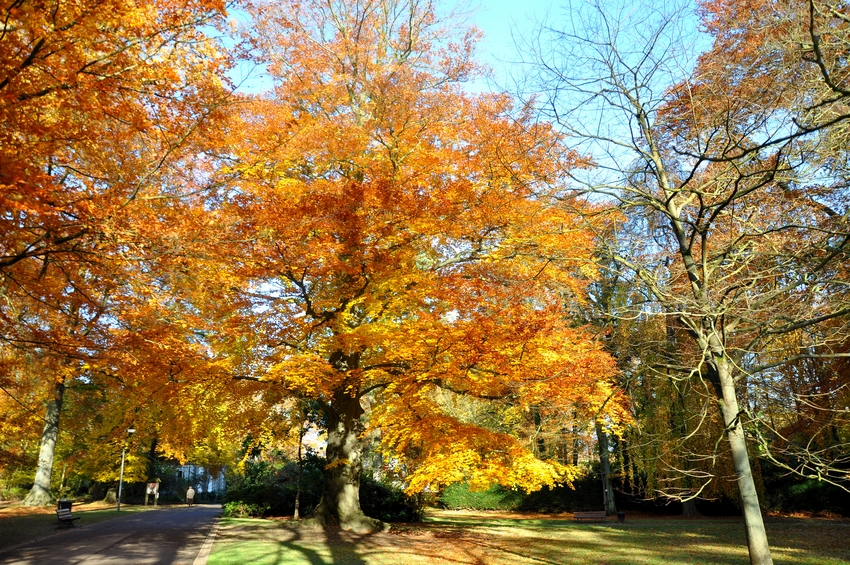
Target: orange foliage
100, 104
393, 235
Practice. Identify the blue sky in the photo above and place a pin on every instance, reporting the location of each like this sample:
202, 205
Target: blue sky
496, 19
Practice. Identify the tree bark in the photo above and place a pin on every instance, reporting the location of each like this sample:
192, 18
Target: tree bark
111, 495
576, 442
540, 443
295, 515
605, 469
152, 469
40, 495
689, 508
753, 522
340, 502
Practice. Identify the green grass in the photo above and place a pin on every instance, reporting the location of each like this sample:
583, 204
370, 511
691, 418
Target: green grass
449, 538
16, 529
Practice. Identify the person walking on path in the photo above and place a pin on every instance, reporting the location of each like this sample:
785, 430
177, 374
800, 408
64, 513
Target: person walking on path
190, 494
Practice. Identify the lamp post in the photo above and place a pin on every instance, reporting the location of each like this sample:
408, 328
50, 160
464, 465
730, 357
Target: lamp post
130, 431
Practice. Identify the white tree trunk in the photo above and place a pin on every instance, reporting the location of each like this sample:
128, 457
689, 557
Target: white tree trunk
753, 522
40, 495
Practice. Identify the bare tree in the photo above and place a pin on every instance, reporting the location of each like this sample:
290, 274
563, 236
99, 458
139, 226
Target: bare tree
736, 250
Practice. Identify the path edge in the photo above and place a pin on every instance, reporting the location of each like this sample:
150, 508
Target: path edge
206, 548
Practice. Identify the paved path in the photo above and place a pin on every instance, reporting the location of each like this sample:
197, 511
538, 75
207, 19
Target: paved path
167, 536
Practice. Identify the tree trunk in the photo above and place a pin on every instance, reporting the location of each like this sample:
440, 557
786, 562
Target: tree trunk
689, 508
111, 495
540, 443
753, 523
295, 514
576, 442
39, 495
152, 468
340, 503
605, 469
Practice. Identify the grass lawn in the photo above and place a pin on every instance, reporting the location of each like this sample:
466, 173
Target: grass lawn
21, 524
476, 538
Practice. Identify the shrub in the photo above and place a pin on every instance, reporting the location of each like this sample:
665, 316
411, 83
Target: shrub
585, 494
387, 502
15, 494
790, 493
243, 510
458, 496
272, 486
275, 484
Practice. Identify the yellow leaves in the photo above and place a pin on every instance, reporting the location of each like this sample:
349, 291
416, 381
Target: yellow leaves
463, 453
403, 231
341, 462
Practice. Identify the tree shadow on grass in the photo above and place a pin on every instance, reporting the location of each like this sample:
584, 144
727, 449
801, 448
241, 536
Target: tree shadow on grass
345, 547
715, 543
652, 542
276, 544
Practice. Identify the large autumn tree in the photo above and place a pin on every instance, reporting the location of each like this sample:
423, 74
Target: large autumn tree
391, 238
734, 162
99, 102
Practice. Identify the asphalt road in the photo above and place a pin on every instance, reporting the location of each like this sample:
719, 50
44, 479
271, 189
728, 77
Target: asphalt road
166, 536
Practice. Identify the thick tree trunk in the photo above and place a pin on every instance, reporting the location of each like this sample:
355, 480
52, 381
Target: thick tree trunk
340, 503
39, 495
111, 495
756, 534
605, 469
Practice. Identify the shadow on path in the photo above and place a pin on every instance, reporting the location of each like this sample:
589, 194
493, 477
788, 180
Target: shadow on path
169, 535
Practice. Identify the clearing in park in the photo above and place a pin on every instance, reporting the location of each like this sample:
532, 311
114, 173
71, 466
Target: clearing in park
479, 538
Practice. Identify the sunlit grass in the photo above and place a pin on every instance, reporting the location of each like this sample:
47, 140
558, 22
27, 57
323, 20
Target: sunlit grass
472, 539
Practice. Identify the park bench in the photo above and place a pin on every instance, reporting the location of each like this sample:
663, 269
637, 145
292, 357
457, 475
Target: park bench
591, 515
65, 518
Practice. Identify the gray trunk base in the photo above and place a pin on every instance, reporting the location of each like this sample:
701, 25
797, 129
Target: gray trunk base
40, 495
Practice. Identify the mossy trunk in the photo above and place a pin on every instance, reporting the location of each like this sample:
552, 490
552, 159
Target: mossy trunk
111, 495
40, 495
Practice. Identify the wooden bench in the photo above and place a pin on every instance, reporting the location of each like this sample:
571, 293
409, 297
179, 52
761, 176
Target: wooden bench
65, 518
592, 515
